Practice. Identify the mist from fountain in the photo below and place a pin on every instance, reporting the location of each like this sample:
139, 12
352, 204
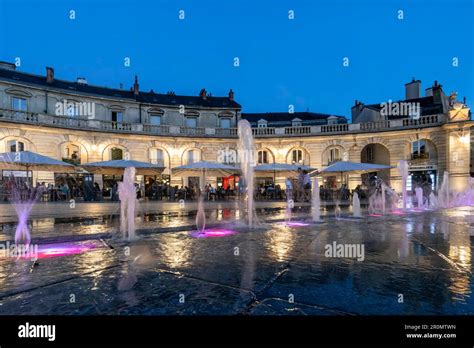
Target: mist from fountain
128, 204
356, 205
433, 201
315, 201
246, 152
23, 203
403, 170
419, 197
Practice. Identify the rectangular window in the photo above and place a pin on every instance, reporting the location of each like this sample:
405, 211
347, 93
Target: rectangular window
296, 124
19, 104
117, 116
15, 146
191, 122
262, 125
155, 120
225, 122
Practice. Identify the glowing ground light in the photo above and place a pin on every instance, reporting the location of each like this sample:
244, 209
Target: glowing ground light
63, 249
212, 233
398, 212
378, 215
296, 224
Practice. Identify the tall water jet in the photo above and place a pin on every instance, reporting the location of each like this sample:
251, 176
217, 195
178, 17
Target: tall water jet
403, 170
23, 203
419, 197
383, 198
200, 215
128, 204
337, 210
288, 213
246, 152
443, 192
356, 205
316, 201
433, 201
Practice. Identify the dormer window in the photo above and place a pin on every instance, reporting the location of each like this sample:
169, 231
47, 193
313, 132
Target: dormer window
262, 123
296, 122
332, 120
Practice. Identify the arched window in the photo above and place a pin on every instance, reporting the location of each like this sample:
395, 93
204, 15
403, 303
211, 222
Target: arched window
157, 156
262, 157
334, 155
15, 145
72, 153
191, 156
116, 153
297, 156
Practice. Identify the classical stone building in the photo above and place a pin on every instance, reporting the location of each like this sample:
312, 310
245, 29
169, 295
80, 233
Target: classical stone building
80, 123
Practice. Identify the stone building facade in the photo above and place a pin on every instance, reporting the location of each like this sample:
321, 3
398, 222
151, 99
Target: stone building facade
51, 117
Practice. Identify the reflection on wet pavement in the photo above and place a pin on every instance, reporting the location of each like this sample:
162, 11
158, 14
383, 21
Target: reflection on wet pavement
276, 269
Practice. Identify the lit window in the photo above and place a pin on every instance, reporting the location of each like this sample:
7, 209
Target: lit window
116, 154
297, 156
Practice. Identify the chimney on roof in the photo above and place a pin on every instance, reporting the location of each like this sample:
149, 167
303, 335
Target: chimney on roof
121, 85
412, 89
135, 86
202, 94
231, 94
7, 66
49, 74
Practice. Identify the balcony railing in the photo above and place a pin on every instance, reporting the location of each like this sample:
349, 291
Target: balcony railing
297, 130
18, 116
420, 156
226, 131
335, 128
156, 129
192, 130
123, 127
263, 131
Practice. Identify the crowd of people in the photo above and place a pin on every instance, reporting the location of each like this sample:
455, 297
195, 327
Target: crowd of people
298, 189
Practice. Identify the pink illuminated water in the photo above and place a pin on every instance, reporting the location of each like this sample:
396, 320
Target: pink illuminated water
296, 224
212, 233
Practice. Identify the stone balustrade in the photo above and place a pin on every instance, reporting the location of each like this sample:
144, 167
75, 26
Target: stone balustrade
7, 115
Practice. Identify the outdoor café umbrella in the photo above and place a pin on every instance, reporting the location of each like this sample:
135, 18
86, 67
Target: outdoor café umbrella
284, 169
27, 160
342, 167
209, 168
117, 167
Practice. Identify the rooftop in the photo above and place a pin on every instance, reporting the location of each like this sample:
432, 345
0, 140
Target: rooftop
9, 73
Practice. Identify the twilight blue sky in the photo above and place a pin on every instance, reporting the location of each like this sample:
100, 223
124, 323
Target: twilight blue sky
282, 61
